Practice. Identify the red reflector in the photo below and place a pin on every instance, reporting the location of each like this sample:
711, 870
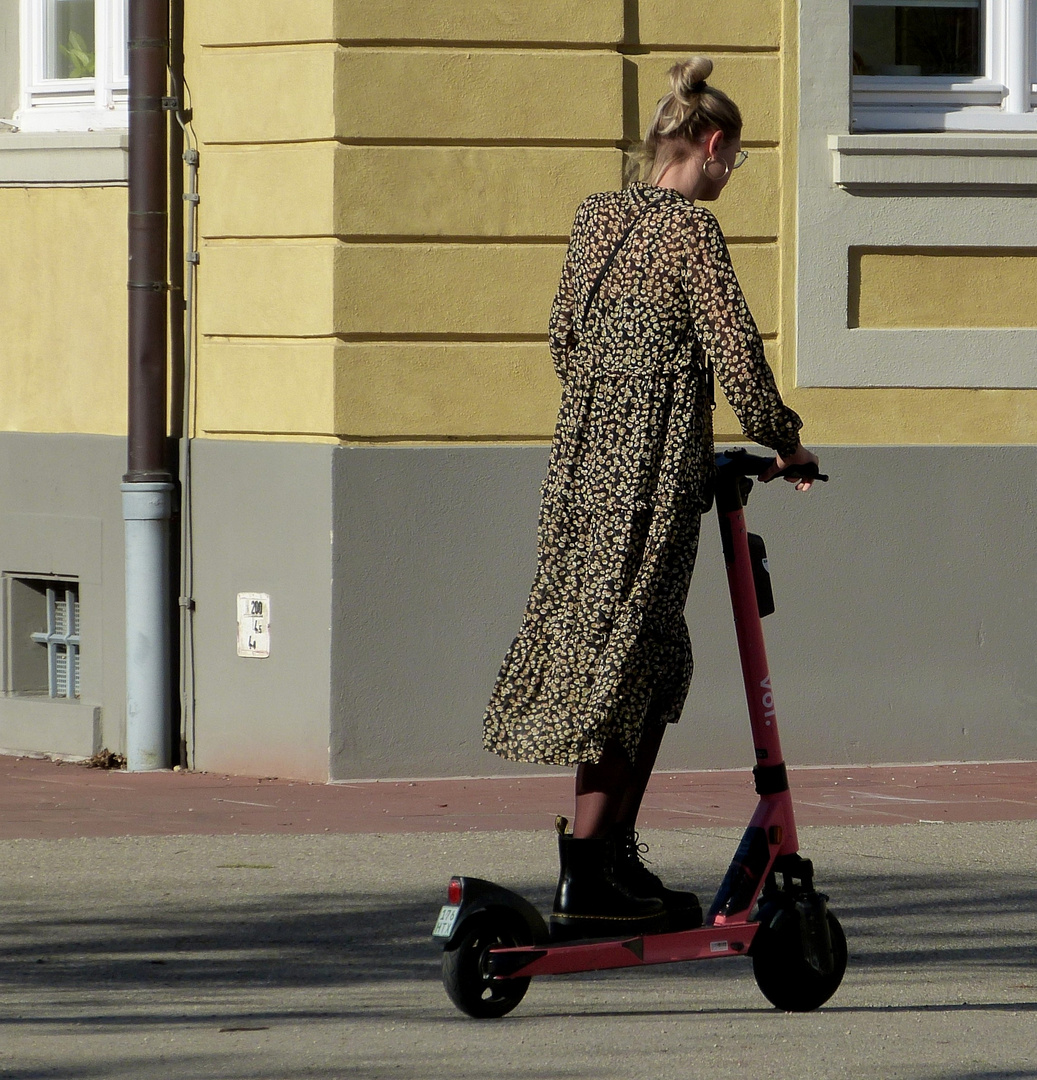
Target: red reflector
454, 891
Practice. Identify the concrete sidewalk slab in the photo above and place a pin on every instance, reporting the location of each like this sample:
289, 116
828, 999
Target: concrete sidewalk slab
46, 799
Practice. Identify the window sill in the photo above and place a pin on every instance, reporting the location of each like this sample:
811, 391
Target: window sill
872, 90
935, 163
78, 159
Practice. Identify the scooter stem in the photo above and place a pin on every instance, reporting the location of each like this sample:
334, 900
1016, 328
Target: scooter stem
771, 779
751, 648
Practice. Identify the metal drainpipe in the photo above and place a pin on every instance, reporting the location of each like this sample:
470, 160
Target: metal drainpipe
147, 486
1017, 74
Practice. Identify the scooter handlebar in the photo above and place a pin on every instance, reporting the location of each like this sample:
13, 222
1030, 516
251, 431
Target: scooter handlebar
809, 471
742, 463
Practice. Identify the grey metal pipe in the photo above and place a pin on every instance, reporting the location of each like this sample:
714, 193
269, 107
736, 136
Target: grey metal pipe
187, 666
146, 510
177, 346
146, 486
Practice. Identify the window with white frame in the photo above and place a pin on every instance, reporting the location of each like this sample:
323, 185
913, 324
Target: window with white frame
944, 65
41, 654
74, 65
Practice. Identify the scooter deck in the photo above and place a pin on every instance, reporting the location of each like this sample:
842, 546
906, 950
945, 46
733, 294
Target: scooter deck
707, 942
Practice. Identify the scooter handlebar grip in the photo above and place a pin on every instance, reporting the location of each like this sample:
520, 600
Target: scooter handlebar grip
808, 471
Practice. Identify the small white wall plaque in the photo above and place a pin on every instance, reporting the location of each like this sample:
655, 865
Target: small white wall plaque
253, 624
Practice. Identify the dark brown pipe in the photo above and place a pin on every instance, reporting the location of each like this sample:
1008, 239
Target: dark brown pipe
148, 231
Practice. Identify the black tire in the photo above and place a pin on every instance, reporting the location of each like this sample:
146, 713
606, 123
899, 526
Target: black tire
784, 975
464, 967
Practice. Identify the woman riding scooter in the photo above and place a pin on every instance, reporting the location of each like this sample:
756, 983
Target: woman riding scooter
647, 311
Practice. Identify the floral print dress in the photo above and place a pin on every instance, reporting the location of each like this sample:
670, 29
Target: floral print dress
604, 643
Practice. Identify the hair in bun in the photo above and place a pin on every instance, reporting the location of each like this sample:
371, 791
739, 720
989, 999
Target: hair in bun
690, 108
688, 79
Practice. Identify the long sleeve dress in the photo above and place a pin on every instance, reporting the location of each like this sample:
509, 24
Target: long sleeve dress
631, 468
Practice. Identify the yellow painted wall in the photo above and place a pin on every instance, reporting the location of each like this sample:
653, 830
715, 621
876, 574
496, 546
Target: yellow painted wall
63, 310
387, 191
275, 21
891, 289
694, 24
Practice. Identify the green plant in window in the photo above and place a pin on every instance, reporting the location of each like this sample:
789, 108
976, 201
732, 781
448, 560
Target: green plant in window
80, 59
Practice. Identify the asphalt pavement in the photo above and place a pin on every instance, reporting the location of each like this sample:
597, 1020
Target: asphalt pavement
291, 953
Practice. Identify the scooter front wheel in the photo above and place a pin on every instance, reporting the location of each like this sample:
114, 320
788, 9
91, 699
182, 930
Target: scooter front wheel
466, 967
783, 971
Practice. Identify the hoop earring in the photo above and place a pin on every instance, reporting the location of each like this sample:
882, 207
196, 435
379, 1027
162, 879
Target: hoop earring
710, 170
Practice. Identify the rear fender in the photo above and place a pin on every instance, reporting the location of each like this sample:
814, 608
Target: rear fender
479, 897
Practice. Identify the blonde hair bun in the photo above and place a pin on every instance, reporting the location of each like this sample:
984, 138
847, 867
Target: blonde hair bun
688, 78
691, 108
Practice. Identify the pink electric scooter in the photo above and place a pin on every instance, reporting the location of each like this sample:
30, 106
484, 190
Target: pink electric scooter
495, 941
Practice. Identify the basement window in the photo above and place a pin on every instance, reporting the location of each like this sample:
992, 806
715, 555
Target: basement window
42, 636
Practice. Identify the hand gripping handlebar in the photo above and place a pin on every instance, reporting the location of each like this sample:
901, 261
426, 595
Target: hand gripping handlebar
742, 463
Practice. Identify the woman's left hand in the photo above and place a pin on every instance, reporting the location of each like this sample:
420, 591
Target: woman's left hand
802, 456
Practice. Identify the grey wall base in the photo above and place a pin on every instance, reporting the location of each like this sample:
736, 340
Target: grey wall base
62, 728
61, 515
904, 631
263, 524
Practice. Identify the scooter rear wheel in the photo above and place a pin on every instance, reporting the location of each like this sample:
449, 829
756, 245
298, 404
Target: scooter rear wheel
465, 967
785, 976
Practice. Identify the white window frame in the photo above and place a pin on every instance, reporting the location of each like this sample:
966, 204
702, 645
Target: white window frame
61, 639
50, 606
1001, 99
89, 104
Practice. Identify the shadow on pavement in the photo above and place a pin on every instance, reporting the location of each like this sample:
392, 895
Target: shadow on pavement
199, 1067
939, 926
982, 1074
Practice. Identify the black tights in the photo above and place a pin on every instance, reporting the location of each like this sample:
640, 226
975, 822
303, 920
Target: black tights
609, 791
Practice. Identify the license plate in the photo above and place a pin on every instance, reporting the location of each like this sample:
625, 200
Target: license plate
445, 923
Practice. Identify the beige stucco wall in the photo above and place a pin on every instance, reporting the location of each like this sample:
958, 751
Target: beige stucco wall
63, 310
903, 288
384, 217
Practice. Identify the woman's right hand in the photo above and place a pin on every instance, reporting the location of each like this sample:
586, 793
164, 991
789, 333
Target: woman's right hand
802, 456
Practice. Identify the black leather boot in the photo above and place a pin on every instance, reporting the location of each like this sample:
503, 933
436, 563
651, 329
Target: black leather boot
590, 902
684, 909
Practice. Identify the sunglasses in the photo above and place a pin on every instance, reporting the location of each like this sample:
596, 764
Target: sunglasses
740, 159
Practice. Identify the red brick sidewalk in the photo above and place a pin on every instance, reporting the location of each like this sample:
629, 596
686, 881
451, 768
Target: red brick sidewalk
46, 799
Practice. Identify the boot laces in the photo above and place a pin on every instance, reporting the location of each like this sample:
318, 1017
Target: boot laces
637, 849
